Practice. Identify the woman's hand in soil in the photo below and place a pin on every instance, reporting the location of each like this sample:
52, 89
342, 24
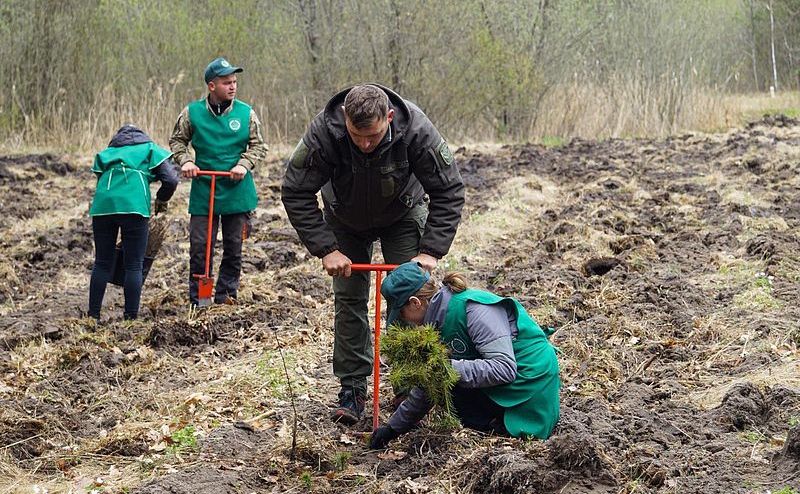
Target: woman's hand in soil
382, 436
159, 207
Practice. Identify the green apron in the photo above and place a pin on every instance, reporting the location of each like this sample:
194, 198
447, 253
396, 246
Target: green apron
123, 178
218, 142
531, 400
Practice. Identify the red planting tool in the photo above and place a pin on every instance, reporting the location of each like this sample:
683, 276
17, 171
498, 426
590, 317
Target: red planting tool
205, 283
376, 364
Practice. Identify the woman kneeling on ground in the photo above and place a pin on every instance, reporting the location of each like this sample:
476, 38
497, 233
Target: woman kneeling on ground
121, 204
508, 371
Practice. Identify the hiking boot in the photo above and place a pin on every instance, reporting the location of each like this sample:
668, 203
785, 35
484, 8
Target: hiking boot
351, 406
228, 300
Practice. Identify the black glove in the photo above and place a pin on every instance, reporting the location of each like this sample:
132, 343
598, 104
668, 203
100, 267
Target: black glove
381, 437
159, 206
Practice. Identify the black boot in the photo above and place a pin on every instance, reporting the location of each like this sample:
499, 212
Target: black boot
351, 406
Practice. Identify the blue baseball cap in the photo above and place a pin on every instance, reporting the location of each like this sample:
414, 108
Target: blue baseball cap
220, 67
400, 285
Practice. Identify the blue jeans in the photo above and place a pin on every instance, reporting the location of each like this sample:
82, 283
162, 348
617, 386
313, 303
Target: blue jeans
134, 230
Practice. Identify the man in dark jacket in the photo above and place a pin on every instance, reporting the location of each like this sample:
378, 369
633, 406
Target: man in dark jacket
385, 174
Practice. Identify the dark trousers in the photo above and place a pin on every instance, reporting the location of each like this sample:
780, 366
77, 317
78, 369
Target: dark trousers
477, 411
352, 346
230, 267
134, 230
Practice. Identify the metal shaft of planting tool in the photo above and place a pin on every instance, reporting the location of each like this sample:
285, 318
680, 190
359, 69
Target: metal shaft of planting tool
376, 363
204, 282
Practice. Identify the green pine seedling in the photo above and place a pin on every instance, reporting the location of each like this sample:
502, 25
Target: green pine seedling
418, 358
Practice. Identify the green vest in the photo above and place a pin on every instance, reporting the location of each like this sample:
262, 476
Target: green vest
123, 178
531, 400
218, 143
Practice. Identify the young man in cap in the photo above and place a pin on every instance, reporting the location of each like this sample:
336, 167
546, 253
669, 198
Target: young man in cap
226, 136
385, 174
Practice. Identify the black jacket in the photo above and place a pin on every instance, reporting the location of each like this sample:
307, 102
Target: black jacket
374, 190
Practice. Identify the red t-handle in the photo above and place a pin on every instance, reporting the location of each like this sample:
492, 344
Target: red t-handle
376, 363
213, 176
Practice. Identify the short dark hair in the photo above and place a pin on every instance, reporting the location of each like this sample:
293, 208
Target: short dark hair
364, 103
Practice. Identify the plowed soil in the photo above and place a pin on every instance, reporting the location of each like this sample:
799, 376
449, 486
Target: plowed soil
669, 269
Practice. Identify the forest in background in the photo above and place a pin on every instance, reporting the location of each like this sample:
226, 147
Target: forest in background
506, 70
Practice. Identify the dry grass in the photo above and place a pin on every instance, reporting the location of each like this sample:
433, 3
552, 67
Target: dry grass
522, 199
629, 107
754, 105
626, 107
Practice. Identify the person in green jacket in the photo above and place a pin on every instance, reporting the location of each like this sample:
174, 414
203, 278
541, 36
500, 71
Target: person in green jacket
121, 204
508, 371
226, 136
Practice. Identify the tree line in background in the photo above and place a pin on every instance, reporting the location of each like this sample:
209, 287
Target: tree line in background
74, 70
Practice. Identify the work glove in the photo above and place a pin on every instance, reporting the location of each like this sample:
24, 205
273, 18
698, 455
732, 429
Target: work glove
159, 206
381, 437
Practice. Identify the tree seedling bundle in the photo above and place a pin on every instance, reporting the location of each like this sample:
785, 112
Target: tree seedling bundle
419, 358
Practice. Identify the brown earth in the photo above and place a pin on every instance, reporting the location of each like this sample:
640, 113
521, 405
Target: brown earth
670, 270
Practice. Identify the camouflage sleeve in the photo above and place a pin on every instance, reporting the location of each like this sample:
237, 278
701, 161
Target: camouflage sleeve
180, 139
256, 147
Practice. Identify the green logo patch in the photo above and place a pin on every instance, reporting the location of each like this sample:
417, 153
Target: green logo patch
299, 155
445, 153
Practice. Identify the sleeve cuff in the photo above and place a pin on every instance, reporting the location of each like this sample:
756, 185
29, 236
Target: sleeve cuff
246, 163
437, 255
326, 251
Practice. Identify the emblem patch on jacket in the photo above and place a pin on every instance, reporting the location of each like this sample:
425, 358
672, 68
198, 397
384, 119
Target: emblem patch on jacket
457, 346
235, 124
298, 159
445, 153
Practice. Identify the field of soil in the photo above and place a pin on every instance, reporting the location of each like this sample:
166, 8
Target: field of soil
669, 269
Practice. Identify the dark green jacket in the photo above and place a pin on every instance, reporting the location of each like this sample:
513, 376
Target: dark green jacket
376, 190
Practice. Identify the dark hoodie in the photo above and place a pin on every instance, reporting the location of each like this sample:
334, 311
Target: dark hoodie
375, 190
166, 173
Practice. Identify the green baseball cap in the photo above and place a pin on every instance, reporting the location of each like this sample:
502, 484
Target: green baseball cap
400, 285
220, 67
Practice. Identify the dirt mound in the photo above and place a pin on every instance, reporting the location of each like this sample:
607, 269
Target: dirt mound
14, 168
198, 480
668, 268
744, 405
773, 120
791, 449
23, 437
